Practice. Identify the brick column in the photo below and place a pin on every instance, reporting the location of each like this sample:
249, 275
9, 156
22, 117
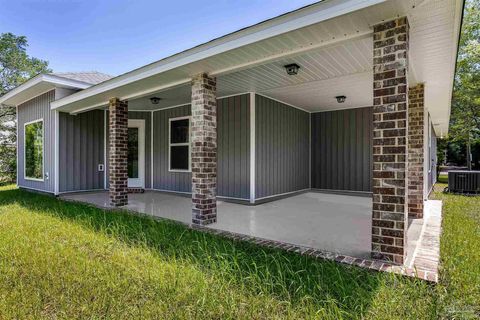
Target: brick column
416, 150
118, 136
390, 65
204, 150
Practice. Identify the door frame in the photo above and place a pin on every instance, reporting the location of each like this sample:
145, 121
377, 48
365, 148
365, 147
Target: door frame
140, 181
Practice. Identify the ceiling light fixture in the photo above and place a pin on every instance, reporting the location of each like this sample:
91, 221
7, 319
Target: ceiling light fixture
292, 69
155, 100
340, 99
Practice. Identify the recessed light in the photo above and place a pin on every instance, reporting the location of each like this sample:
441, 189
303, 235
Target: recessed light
155, 100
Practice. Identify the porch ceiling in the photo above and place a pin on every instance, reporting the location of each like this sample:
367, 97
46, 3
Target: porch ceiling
331, 41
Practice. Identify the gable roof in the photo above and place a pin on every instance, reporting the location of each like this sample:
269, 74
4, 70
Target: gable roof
46, 82
92, 77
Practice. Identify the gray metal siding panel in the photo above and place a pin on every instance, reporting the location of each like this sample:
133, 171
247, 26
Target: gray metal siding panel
342, 149
34, 109
81, 140
233, 143
282, 148
233, 149
147, 116
164, 179
432, 160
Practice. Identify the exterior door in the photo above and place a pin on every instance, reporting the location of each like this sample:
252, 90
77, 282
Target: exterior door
136, 153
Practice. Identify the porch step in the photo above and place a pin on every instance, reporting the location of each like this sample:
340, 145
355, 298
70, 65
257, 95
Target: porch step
136, 190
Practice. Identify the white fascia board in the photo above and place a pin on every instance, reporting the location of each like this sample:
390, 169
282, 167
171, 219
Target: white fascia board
456, 34
309, 15
47, 78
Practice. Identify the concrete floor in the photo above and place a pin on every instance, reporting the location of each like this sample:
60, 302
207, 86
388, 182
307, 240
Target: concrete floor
331, 222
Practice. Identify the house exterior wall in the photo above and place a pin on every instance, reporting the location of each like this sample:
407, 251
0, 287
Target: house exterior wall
432, 160
233, 149
282, 148
147, 116
163, 179
34, 109
81, 150
342, 149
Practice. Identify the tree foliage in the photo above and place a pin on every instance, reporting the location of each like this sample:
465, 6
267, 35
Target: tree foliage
16, 67
465, 117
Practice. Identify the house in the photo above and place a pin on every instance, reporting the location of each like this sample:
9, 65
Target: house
324, 119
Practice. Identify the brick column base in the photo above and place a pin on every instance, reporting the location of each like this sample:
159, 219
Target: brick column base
204, 150
390, 65
416, 150
118, 133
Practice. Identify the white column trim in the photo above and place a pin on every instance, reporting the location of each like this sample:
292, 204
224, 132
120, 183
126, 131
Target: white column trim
252, 147
105, 132
57, 153
426, 153
151, 150
17, 143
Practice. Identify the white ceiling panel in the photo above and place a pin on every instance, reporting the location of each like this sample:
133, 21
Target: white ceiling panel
335, 56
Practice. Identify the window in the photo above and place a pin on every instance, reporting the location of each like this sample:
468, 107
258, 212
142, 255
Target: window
33, 150
132, 164
179, 144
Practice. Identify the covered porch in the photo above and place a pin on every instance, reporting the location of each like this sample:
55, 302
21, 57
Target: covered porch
325, 225
336, 223
343, 103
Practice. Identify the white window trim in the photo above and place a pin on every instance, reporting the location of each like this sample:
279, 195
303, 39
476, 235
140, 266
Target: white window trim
25, 147
179, 144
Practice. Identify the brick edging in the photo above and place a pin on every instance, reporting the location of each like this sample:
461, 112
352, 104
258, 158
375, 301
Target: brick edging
374, 265
369, 264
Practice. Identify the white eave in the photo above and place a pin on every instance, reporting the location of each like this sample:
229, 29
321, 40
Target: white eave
37, 86
300, 18
331, 40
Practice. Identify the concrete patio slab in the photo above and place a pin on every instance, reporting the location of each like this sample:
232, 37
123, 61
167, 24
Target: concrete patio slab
332, 222
326, 226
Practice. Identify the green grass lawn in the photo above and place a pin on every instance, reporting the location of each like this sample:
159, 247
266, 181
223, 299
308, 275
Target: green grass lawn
62, 260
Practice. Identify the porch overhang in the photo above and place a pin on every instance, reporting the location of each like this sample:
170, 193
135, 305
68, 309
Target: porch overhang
37, 86
331, 39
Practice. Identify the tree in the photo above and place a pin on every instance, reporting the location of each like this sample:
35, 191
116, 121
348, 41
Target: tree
465, 118
16, 67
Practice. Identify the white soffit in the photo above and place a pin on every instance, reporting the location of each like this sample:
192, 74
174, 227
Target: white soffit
242, 49
434, 31
335, 55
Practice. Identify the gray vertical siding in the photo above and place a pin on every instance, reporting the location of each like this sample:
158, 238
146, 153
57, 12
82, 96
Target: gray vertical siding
432, 161
233, 149
233, 146
163, 179
342, 149
147, 116
34, 109
282, 148
81, 141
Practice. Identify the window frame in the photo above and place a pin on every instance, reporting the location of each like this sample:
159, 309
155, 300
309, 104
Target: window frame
25, 151
170, 144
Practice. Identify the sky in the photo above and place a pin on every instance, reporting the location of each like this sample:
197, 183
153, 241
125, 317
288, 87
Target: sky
115, 37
